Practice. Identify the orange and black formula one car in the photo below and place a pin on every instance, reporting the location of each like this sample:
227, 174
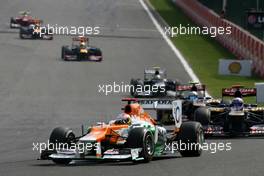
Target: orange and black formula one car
133, 135
23, 20
81, 50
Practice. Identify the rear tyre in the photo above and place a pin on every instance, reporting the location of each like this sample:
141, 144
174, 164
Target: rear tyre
99, 53
11, 22
133, 86
191, 138
142, 138
138, 85
51, 38
21, 34
202, 115
63, 52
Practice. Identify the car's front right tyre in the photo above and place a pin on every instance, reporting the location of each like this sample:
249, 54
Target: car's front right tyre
142, 138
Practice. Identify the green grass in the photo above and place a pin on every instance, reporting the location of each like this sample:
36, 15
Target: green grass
201, 52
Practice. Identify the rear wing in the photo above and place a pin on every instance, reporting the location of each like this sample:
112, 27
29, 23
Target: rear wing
152, 104
27, 12
246, 92
37, 21
199, 87
81, 39
155, 104
152, 71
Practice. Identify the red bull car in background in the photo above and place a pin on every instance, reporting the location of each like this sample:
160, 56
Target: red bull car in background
23, 20
81, 50
134, 135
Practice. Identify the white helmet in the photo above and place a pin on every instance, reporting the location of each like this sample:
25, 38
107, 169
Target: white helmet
157, 77
237, 104
193, 95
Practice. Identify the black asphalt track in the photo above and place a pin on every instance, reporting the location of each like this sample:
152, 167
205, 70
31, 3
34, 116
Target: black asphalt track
38, 91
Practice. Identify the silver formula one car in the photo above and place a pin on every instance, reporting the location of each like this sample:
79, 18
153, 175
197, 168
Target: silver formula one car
154, 84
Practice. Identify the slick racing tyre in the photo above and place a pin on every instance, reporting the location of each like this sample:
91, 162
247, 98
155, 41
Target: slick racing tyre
142, 138
61, 161
202, 115
60, 136
63, 52
132, 89
21, 35
12, 21
191, 138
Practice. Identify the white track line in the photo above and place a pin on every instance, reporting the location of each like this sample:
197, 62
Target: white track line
171, 45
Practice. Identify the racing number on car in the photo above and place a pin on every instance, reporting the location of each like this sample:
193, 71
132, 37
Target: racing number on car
177, 112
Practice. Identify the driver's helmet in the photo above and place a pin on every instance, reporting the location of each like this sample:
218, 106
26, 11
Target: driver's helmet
123, 118
157, 74
157, 77
193, 95
37, 25
82, 45
194, 88
25, 14
237, 104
